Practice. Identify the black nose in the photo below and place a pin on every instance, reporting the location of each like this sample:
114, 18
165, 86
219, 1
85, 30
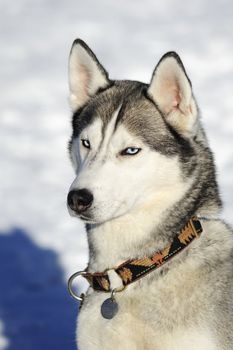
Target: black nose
79, 200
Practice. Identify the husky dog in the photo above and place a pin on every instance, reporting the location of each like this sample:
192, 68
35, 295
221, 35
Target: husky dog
143, 169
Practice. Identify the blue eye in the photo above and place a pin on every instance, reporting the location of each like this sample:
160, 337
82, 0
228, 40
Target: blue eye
86, 143
130, 151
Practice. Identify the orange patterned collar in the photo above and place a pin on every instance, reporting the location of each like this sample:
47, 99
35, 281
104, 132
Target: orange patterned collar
131, 270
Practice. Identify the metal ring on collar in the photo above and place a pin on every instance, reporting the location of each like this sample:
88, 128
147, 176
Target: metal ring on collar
70, 281
116, 290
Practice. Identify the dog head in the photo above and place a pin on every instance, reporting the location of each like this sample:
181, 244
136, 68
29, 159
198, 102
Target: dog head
132, 144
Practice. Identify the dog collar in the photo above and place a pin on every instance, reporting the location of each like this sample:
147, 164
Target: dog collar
134, 269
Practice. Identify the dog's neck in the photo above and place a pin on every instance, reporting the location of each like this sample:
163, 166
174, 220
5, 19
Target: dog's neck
117, 240
142, 231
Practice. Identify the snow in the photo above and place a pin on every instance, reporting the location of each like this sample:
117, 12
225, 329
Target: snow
40, 245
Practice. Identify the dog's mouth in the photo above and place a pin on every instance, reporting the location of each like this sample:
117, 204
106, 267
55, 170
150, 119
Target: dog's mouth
87, 219
91, 217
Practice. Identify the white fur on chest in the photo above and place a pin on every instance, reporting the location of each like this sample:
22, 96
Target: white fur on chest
187, 339
130, 332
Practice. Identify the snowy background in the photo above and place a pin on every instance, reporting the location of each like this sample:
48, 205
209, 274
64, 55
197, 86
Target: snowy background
40, 245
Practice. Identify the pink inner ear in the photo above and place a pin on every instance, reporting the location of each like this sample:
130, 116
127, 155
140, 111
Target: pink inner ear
170, 94
85, 77
176, 98
175, 104
172, 98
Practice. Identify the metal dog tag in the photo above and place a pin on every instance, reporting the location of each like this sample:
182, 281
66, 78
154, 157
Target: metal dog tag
109, 308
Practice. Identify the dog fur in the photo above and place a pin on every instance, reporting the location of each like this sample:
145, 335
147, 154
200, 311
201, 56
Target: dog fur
141, 201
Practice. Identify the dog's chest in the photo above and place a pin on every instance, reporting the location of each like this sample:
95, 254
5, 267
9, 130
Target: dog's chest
149, 317
128, 332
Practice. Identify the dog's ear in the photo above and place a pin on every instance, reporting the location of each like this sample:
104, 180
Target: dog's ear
86, 74
171, 89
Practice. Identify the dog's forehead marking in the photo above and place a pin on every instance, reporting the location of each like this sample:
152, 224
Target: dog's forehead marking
100, 134
109, 128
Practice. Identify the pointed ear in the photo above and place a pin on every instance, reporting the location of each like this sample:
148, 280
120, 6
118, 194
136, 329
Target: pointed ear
86, 75
171, 90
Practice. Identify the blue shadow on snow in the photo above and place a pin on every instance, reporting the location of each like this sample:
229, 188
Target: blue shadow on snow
35, 307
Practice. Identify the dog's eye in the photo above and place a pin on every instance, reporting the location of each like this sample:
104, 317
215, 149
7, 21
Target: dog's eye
130, 151
86, 143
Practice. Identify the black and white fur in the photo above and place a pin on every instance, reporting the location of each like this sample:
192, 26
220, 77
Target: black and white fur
141, 153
